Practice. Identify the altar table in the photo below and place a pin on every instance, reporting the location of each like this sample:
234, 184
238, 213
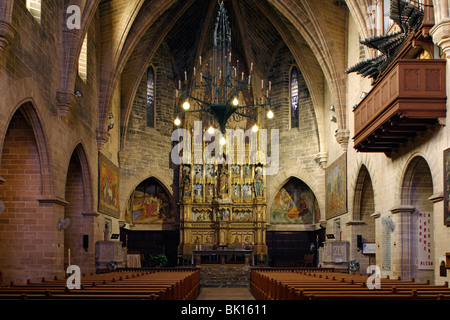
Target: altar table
223, 254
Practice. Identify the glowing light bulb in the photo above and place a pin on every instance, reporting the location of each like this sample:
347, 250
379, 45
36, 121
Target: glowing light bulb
270, 114
186, 105
235, 101
222, 140
255, 128
211, 130
177, 121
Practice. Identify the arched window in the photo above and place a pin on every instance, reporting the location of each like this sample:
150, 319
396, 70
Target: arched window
294, 98
82, 60
34, 6
150, 97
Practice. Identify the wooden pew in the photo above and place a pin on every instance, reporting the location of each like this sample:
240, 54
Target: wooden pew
275, 285
164, 284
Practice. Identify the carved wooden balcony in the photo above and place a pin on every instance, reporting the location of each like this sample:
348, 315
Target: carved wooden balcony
409, 98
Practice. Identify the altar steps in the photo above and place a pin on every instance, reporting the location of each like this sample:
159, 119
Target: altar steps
225, 276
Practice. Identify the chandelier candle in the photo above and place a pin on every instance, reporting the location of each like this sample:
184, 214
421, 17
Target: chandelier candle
220, 93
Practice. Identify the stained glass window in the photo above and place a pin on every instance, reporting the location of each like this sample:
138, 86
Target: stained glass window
150, 97
294, 98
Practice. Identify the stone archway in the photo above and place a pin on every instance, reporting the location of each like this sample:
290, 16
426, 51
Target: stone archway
411, 249
24, 252
292, 237
362, 225
79, 234
151, 223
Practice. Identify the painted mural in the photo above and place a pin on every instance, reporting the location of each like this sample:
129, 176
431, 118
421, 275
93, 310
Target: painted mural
336, 187
294, 204
108, 186
149, 203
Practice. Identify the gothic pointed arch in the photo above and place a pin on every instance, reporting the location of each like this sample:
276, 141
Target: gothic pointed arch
27, 192
294, 203
78, 213
150, 202
363, 201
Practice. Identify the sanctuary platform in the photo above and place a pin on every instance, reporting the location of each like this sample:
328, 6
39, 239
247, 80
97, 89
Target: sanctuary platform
225, 276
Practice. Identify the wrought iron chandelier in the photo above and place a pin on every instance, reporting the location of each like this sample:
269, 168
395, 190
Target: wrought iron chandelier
218, 87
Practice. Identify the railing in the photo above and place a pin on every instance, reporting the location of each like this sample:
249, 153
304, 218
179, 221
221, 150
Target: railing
412, 89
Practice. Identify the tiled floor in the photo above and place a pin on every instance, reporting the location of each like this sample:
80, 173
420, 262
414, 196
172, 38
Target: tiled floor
225, 294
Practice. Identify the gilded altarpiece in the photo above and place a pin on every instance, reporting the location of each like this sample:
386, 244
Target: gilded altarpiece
222, 205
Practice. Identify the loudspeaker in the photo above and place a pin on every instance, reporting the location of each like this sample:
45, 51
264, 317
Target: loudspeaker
359, 241
86, 242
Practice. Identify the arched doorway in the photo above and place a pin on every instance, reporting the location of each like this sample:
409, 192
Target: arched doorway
362, 225
27, 244
417, 187
292, 239
79, 229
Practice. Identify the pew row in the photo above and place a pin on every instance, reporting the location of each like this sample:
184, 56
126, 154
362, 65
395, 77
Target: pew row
273, 285
164, 284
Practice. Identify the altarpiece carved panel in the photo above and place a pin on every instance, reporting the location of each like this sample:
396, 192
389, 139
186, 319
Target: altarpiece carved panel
222, 204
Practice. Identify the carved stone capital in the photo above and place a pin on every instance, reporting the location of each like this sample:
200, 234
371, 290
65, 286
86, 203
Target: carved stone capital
90, 213
102, 138
441, 35
66, 101
7, 33
322, 159
53, 200
405, 209
342, 137
436, 197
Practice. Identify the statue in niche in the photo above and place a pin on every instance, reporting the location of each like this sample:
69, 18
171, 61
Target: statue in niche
198, 191
186, 181
198, 171
236, 191
259, 182
209, 171
247, 192
247, 171
223, 181
209, 191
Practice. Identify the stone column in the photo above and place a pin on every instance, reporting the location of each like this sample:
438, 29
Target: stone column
7, 32
439, 237
342, 137
401, 252
441, 36
378, 238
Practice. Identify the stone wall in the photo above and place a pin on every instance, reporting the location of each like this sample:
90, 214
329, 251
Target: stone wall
298, 147
64, 151
148, 149
28, 83
389, 176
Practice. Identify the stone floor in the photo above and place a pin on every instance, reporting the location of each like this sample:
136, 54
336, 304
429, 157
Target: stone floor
225, 282
225, 294
225, 276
